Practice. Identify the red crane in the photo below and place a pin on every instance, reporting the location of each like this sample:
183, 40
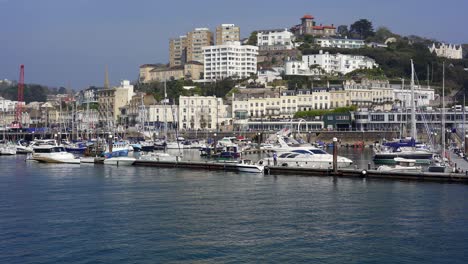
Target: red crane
19, 105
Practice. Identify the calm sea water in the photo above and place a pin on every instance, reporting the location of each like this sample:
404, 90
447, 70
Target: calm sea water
97, 214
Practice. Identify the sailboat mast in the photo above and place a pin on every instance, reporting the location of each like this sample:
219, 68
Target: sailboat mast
402, 106
165, 111
464, 118
443, 110
413, 105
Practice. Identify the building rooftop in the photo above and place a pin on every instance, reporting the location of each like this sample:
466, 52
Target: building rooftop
340, 38
272, 30
323, 27
307, 16
175, 68
150, 65
194, 63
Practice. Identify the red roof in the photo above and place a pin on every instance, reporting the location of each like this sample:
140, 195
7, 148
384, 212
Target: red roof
307, 17
322, 27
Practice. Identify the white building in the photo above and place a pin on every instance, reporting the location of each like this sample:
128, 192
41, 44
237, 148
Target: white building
203, 112
341, 43
159, 114
317, 64
275, 39
423, 96
283, 105
8, 105
268, 75
230, 60
87, 120
447, 51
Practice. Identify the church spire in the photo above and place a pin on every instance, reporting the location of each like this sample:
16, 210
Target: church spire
106, 80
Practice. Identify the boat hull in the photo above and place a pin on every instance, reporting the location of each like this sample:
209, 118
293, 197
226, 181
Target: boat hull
119, 161
52, 160
250, 168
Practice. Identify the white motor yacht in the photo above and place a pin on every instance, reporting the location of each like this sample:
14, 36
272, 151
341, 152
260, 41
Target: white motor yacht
174, 145
22, 148
307, 158
53, 154
249, 166
158, 156
7, 149
120, 161
402, 165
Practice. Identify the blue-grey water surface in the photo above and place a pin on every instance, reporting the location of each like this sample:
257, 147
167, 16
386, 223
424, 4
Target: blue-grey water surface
97, 214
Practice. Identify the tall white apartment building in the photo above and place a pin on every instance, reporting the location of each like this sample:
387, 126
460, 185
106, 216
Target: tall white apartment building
317, 64
275, 39
230, 60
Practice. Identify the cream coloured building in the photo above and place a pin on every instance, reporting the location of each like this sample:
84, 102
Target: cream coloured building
160, 113
203, 112
227, 33
166, 74
378, 94
178, 51
151, 73
339, 97
196, 40
111, 100
145, 72
282, 105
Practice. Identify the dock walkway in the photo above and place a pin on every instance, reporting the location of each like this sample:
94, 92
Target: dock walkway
299, 171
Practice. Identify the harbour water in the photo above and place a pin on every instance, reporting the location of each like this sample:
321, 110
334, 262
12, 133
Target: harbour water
104, 214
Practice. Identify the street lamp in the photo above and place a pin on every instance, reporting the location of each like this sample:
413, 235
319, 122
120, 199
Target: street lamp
259, 134
215, 142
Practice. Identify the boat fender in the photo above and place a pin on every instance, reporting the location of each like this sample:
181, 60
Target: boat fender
364, 173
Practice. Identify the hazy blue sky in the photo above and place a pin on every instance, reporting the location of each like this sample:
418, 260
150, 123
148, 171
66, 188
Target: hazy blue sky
69, 42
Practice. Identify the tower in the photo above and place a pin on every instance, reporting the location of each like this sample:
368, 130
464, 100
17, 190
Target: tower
227, 33
106, 79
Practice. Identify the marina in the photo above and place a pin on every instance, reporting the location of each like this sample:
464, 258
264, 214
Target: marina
240, 132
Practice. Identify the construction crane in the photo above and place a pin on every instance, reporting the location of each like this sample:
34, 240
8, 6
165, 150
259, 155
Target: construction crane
19, 106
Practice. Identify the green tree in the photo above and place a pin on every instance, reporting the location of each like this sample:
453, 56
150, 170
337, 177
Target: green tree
342, 30
252, 39
362, 29
383, 33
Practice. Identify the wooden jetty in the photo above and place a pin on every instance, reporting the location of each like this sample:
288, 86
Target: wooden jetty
300, 171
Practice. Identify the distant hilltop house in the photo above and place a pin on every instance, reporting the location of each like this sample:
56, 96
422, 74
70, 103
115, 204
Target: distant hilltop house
275, 39
326, 63
309, 27
447, 51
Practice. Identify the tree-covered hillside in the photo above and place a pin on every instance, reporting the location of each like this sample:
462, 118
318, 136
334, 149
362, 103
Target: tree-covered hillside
32, 92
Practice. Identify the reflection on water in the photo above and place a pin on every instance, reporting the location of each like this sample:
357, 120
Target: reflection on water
95, 213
